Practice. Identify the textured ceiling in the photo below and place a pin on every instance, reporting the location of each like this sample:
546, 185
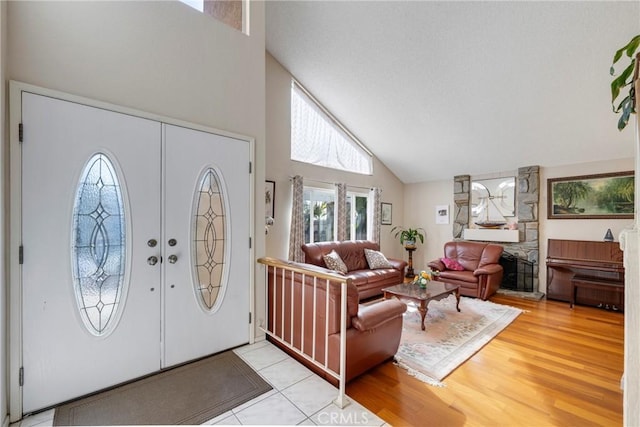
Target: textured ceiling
437, 89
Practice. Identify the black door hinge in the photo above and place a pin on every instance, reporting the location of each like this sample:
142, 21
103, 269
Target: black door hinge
20, 132
249, 317
250, 167
21, 255
21, 376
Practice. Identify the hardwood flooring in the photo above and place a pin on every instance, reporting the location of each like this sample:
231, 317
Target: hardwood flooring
553, 366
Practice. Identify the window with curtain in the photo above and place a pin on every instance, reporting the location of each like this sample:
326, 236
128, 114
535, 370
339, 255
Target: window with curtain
319, 139
319, 215
320, 222
356, 216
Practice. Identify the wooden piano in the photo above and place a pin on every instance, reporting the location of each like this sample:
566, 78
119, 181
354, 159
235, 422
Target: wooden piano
586, 272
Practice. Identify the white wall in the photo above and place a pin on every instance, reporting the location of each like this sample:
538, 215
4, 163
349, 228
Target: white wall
420, 202
280, 167
161, 57
3, 175
422, 198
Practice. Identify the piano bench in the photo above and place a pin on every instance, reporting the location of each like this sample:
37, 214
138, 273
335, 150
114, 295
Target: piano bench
594, 283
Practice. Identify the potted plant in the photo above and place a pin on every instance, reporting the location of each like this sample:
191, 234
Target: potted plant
627, 105
409, 236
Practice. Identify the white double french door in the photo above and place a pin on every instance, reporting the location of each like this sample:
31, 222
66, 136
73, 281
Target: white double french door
135, 247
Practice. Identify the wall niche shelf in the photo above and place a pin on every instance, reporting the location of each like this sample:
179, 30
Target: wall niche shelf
491, 235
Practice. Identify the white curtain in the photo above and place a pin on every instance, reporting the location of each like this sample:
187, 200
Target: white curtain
296, 236
341, 203
316, 139
375, 210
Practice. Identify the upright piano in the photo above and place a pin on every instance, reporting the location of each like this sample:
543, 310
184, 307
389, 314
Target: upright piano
590, 272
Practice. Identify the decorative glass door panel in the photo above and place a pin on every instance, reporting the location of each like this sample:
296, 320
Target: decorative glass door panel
99, 245
209, 238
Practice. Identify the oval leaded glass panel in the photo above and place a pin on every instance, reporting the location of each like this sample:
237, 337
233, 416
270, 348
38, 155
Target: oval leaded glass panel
99, 245
209, 238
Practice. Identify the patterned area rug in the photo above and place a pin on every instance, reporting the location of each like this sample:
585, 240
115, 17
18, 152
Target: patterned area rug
450, 337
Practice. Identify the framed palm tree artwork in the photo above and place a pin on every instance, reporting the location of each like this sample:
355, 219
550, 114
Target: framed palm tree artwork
608, 195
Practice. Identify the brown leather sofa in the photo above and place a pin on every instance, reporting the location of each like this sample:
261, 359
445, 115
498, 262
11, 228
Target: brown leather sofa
368, 282
482, 273
373, 331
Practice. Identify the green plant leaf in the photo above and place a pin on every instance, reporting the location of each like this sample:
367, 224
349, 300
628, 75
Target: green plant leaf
629, 48
621, 81
633, 45
626, 100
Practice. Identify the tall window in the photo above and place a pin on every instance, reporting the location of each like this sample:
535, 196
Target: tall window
319, 215
231, 12
318, 138
356, 216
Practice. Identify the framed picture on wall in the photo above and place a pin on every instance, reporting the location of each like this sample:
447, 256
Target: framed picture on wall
385, 215
442, 214
270, 196
607, 195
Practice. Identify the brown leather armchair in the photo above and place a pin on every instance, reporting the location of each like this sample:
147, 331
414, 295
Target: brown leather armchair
373, 331
481, 273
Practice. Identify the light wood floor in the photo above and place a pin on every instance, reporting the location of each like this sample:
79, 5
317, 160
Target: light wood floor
552, 366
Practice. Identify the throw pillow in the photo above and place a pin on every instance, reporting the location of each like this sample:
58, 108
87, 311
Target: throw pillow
334, 262
452, 264
376, 259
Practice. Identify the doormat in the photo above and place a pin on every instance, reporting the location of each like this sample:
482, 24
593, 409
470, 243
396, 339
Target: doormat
450, 337
190, 394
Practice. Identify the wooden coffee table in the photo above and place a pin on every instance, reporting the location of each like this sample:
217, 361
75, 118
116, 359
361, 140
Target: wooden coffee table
435, 291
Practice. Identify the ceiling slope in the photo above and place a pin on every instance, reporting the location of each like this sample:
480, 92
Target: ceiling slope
437, 89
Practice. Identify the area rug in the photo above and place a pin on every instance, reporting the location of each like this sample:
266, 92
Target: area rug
189, 394
449, 337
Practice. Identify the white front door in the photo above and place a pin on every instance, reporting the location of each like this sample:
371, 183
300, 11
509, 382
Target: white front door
207, 222
64, 354
136, 247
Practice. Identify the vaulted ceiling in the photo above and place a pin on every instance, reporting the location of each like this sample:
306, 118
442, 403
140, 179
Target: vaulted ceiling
437, 89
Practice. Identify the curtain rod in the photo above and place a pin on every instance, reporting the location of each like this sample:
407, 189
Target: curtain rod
329, 183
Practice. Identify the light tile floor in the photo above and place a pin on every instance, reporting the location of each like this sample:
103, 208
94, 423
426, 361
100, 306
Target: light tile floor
299, 397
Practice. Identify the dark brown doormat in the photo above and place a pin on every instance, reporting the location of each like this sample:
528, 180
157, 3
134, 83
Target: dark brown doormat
189, 394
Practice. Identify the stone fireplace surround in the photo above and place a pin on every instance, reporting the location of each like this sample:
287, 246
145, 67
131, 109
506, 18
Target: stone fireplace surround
527, 211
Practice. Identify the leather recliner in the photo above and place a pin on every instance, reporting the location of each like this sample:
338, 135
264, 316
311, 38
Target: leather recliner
373, 331
482, 273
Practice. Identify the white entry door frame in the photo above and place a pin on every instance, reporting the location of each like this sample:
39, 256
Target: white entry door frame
14, 241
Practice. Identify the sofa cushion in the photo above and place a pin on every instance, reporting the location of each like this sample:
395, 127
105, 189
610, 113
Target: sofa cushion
376, 259
452, 264
334, 262
460, 276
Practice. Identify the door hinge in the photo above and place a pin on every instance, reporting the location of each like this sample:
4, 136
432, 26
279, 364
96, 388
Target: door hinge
21, 255
249, 317
21, 376
250, 167
20, 132
249, 242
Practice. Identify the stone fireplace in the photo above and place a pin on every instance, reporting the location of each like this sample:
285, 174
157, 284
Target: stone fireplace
527, 248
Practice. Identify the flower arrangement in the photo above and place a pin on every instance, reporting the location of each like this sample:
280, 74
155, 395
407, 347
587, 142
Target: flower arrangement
424, 277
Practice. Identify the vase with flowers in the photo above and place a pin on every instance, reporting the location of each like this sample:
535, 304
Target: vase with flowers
424, 278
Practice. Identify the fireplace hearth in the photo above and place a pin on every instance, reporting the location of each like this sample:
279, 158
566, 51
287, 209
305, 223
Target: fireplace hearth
518, 273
